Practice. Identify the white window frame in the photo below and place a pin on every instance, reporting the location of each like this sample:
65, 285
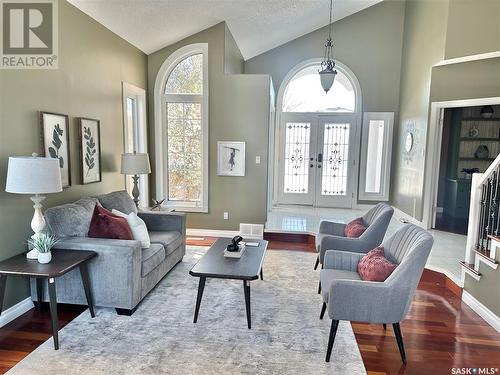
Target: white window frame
388, 118
161, 139
140, 142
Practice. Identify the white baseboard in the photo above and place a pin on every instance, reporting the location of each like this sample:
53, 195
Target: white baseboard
211, 232
15, 311
404, 217
485, 313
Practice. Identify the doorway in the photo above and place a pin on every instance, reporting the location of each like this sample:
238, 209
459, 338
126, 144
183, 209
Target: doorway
469, 144
317, 160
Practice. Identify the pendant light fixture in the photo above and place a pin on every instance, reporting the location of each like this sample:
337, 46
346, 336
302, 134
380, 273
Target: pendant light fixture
327, 73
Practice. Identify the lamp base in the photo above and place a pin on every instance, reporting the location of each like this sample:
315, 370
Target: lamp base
135, 190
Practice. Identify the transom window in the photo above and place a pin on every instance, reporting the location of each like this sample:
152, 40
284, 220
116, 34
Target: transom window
184, 106
305, 94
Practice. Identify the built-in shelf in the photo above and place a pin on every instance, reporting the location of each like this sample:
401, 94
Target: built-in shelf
477, 159
479, 139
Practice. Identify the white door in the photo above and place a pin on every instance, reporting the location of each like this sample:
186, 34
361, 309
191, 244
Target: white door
317, 160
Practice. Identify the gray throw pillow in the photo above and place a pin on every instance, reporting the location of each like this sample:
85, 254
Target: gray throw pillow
72, 219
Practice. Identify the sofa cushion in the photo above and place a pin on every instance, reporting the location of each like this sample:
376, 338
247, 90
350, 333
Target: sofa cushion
374, 266
72, 219
118, 200
328, 276
171, 240
152, 257
138, 227
105, 224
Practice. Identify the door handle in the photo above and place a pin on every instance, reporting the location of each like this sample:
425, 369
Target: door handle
320, 158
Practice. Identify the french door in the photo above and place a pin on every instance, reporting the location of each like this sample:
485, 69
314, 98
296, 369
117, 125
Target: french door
317, 159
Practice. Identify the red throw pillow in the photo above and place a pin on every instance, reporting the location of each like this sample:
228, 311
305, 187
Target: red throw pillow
374, 266
354, 228
105, 224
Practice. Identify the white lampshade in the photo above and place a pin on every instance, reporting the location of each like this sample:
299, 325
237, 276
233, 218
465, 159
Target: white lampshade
33, 175
135, 163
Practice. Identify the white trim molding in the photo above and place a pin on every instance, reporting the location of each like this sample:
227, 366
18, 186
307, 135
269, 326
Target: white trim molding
161, 130
463, 59
485, 313
15, 311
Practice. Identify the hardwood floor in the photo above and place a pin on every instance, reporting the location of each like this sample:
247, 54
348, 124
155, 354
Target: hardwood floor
440, 332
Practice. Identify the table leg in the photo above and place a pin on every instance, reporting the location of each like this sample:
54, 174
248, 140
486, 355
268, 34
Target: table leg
3, 282
53, 311
39, 293
246, 289
201, 287
261, 274
86, 287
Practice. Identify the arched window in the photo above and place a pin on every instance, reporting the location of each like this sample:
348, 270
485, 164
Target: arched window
304, 93
183, 128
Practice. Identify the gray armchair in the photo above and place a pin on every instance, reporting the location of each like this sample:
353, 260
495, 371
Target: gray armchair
347, 297
331, 234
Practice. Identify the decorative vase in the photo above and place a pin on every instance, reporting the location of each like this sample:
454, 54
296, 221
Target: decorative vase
482, 152
44, 258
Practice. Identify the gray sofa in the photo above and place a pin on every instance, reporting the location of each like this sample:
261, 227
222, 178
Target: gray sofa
123, 273
347, 297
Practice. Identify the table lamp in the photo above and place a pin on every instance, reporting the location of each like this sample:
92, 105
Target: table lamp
34, 175
135, 164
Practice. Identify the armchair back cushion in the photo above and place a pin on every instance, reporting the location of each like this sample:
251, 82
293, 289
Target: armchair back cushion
118, 200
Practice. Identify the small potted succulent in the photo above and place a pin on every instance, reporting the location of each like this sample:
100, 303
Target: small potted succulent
44, 243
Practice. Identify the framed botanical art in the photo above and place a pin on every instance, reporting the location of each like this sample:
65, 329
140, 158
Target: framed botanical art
55, 141
89, 140
230, 158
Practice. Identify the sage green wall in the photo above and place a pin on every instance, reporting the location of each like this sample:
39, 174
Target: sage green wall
238, 111
473, 27
93, 62
423, 46
368, 42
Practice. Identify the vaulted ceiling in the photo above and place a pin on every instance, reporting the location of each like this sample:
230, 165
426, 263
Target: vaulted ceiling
257, 25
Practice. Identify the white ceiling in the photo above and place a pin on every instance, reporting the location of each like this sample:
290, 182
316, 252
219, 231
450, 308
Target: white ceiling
257, 25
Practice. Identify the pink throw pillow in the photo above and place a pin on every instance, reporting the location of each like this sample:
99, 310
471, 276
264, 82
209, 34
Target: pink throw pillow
354, 228
374, 266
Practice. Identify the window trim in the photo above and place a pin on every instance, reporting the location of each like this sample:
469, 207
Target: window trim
383, 195
139, 95
160, 114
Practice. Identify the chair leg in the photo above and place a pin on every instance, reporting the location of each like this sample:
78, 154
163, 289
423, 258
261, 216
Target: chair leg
319, 287
399, 339
317, 263
323, 309
333, 332
385, 326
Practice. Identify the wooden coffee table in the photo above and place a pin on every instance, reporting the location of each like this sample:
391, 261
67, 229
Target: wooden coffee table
62, 262
214, 265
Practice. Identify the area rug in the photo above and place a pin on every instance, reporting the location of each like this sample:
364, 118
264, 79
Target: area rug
287, 336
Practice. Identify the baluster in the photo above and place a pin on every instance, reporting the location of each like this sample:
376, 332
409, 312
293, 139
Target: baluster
497, 199
491, 215
479, 243
484, 241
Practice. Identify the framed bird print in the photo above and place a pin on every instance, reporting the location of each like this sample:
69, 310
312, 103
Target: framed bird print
89, 139
55, 142
230, 158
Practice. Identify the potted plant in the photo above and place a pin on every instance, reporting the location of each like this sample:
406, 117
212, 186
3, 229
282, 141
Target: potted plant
44, 243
